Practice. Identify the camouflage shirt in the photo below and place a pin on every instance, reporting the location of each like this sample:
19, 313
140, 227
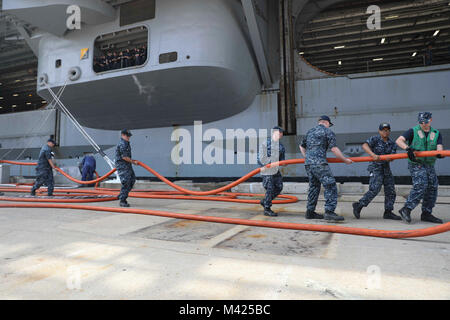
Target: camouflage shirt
380, 147
123, 150
269, 152
44, 156
317, 141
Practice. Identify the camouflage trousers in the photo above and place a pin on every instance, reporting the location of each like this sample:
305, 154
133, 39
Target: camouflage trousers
425, 187
380, 177
127, 179
44, 177
273, 185
321, 175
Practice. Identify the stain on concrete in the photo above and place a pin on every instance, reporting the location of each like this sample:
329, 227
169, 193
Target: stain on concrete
257, 236
192, 231
279, 242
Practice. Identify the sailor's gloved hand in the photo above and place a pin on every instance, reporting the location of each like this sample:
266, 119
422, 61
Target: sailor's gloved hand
411, 154
440, 156
375, 157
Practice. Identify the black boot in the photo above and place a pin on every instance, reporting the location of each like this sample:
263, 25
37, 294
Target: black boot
261, 202
428, 217
2, 194
312, 215
33, 192
333, 217
269, 212
124, 204
357, 207
388, 214
405, 214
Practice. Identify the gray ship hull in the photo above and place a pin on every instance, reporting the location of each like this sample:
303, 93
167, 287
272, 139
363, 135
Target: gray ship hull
152, 99
213, 77
400, 97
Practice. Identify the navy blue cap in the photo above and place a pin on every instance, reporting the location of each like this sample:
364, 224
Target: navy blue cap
278, 128
384, 125
424, 117
126, 132
51, 140
326, 118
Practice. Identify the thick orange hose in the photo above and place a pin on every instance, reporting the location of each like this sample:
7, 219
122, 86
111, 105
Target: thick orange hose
283, 163
86, 182
244, 178
150, 194
62, 172
19, 163
397, 234
54, 200
197, 195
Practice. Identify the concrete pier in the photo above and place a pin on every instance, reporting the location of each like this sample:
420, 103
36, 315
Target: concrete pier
73, 254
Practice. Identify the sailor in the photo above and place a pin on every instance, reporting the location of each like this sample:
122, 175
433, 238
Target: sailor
132, 60
380, 173
96, 65
109, 61
115, 61
124, 167
127, 58
422, 137
44, 168
143, 53
137, 56
271, 151
88, 167
314, 148
102, 63
121, 59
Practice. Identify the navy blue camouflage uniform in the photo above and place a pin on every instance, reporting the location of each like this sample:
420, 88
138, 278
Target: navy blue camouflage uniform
44, 171
380, 173
317, 141
425, 187
424, 179
124, 169
270, 152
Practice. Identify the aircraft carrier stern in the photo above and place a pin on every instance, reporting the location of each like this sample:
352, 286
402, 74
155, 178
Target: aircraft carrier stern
209, 73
